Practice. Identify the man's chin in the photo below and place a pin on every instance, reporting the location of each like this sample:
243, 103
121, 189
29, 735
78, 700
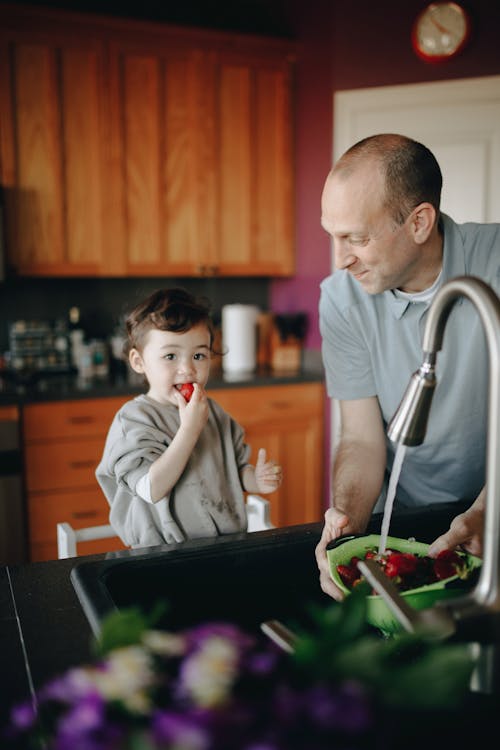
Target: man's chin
369, 285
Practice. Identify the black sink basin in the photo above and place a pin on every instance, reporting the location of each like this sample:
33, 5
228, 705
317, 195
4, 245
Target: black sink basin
243, 578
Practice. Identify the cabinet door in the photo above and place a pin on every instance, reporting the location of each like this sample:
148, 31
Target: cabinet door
162, 132
288, 422
253, 110
52, 153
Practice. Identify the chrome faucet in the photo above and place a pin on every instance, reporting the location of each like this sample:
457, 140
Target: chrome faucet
408, 426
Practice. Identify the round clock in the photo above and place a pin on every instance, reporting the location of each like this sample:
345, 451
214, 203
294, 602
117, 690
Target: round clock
440, 31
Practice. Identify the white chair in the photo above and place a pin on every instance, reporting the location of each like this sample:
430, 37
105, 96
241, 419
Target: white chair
258, 519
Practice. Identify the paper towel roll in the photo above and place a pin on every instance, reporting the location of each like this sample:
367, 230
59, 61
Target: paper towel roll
239, 338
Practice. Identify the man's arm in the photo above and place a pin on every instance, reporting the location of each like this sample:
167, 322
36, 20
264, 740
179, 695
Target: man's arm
358, 475
360, 462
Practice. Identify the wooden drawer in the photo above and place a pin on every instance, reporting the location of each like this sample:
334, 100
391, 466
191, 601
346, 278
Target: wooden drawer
58, 465
78, 507
81, 418
271, 403
9, 413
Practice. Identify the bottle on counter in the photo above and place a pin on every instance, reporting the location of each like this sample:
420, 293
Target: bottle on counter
100, 358
77, 337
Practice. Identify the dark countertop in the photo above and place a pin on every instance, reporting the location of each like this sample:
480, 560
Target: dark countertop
43, 627
68, 387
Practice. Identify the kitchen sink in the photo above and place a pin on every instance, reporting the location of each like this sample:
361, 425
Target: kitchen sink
243, 578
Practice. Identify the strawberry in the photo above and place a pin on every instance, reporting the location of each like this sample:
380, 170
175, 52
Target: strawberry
404, 563
407, 570
391, 570
348, 574
448, 563
186, 390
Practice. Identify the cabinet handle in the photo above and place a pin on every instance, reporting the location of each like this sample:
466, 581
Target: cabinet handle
80, 514
82, 464
84, 419
279, 404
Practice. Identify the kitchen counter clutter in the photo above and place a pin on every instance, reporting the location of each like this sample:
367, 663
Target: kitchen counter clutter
64, 387
64, 423
247, 578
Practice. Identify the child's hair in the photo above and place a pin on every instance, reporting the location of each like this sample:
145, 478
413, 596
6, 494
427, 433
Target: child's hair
167, 310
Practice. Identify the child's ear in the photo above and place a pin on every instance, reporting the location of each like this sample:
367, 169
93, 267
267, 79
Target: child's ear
135, 360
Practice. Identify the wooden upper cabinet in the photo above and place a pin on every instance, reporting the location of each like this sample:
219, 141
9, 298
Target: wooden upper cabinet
52, 154
137, 149
254, 130
160, 125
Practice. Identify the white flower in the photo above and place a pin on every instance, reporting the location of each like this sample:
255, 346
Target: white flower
126, 676
166, 644
208, 674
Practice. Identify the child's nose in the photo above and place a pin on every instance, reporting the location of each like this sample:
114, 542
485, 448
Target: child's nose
186, 365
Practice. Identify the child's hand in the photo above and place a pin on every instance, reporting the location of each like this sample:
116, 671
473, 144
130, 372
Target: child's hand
268, 474
193, 414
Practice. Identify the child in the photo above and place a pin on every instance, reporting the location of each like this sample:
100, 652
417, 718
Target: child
175, 466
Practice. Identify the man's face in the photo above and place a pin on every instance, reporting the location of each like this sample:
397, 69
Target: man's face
367, 242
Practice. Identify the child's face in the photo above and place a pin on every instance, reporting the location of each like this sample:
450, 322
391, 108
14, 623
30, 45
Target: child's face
170, 359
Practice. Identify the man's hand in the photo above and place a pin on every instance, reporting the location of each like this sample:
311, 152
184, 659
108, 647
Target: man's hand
466, 530
268, 474
336, 524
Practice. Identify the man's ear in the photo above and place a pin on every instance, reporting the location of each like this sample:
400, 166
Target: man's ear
422, 221
135, 360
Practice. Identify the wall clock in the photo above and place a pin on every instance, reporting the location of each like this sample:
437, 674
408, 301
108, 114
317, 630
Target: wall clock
441, 31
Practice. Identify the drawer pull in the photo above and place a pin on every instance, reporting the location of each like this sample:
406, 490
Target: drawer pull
79, 514
83, 419
280, 404
82, 464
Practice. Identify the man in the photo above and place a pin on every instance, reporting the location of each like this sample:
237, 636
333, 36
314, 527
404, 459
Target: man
393, 250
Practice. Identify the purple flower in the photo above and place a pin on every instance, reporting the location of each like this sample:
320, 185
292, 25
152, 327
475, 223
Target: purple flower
85, 726
23, 716
66, 689
181, 730
262, 663
196, 636
345, 708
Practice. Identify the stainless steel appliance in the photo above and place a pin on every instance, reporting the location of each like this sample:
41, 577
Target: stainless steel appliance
13, 534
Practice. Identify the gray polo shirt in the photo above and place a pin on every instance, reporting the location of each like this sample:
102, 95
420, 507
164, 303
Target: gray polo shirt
371, 345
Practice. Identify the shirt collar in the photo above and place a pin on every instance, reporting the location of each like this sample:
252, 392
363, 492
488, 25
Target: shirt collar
453, 263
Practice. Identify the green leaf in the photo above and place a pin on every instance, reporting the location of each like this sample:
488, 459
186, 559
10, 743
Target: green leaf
404, 671
125, 627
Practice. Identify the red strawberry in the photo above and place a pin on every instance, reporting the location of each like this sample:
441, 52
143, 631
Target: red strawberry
450, 555
404, 562
444, 569
348, 574
447, 564
186, 390
391, 570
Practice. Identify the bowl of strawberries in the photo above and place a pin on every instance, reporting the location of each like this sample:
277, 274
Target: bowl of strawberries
420, 579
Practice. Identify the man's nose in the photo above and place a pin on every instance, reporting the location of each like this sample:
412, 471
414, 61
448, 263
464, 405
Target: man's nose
343, 256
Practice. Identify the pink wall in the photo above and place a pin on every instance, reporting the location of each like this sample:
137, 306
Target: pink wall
348, 45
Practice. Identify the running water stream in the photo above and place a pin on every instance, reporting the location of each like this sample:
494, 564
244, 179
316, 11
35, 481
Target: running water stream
391, 493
